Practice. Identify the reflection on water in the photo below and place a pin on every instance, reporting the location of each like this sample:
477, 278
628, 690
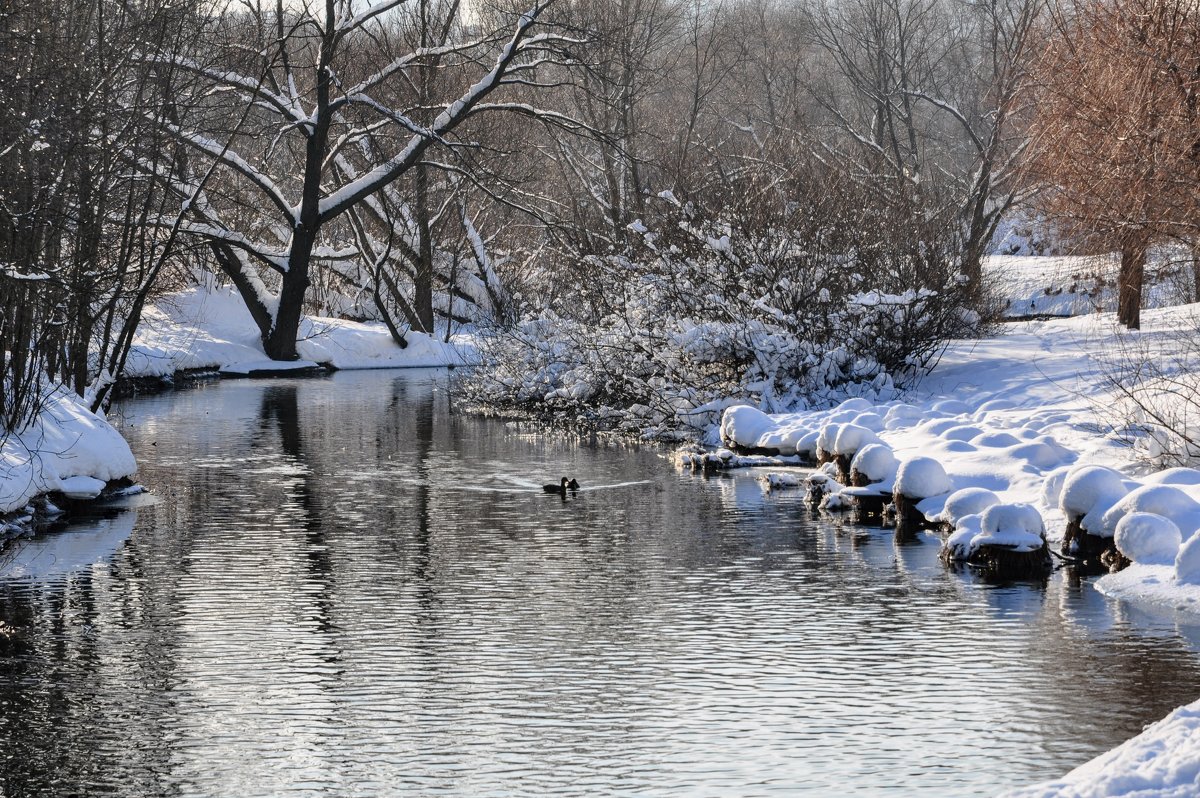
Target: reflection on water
347, 589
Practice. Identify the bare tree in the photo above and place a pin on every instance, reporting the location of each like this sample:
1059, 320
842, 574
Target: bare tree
320, 143
927, 96
78, 254
1117, 129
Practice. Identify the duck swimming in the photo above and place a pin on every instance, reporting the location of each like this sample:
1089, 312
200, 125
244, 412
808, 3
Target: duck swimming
562, 487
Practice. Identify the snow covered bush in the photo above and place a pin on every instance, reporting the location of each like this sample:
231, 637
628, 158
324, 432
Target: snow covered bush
697, 315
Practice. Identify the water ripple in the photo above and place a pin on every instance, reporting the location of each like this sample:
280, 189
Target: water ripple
354, 591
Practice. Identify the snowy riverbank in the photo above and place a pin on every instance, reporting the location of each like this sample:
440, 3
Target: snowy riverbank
71, 452
1015, 414
1018, 414
67, 451
201, 329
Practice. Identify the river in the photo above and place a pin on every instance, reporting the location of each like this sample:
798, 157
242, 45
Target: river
342, 586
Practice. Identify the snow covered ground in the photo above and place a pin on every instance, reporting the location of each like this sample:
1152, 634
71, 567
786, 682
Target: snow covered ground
211, 329
1062, 285
67, 449
1030, 420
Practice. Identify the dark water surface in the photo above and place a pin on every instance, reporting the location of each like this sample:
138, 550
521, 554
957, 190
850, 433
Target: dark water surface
347, 589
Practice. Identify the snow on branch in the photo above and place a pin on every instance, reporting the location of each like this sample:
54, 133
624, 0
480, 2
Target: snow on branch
255, 88
353, 21
237, 163
372, 180
402, 63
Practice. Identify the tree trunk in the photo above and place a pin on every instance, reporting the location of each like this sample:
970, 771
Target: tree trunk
1133, 267
1196, 272
280, 342
423, 281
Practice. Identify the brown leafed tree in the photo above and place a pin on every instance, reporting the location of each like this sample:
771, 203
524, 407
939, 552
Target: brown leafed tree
1116, 130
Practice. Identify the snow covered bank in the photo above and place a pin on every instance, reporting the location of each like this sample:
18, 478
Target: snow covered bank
1163, 762
1078, 285
1020, 415
67, 450
202, 329
1027, 427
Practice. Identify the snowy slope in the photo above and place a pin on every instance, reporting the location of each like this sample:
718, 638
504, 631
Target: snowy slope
212, 329
1161, 762
66, 449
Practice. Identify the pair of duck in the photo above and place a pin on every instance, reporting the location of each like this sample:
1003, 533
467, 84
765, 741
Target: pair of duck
562, 487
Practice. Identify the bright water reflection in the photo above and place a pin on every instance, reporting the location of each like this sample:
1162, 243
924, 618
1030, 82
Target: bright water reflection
346, 589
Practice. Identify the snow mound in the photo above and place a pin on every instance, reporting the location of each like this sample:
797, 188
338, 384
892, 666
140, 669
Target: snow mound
962, 432
1187, 562
1014, 526
743, 425
902, 415
827, 437
875, 461
1041, 454
936, 426
781, 480
995, 404
951, 407
65, 440
965, 502
807, 444
872, 421
851, 437
1164, 500
1174, 476
960, 545
922, 477
996, 440
1148, 538
81, 487
1090, 488
1052, 487
857, 404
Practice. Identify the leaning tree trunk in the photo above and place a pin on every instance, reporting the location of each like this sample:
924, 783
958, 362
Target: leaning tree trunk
423, 280
280, 344
1133, 268
1196, 271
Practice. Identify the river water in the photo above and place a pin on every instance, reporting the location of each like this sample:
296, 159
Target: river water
343, 587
